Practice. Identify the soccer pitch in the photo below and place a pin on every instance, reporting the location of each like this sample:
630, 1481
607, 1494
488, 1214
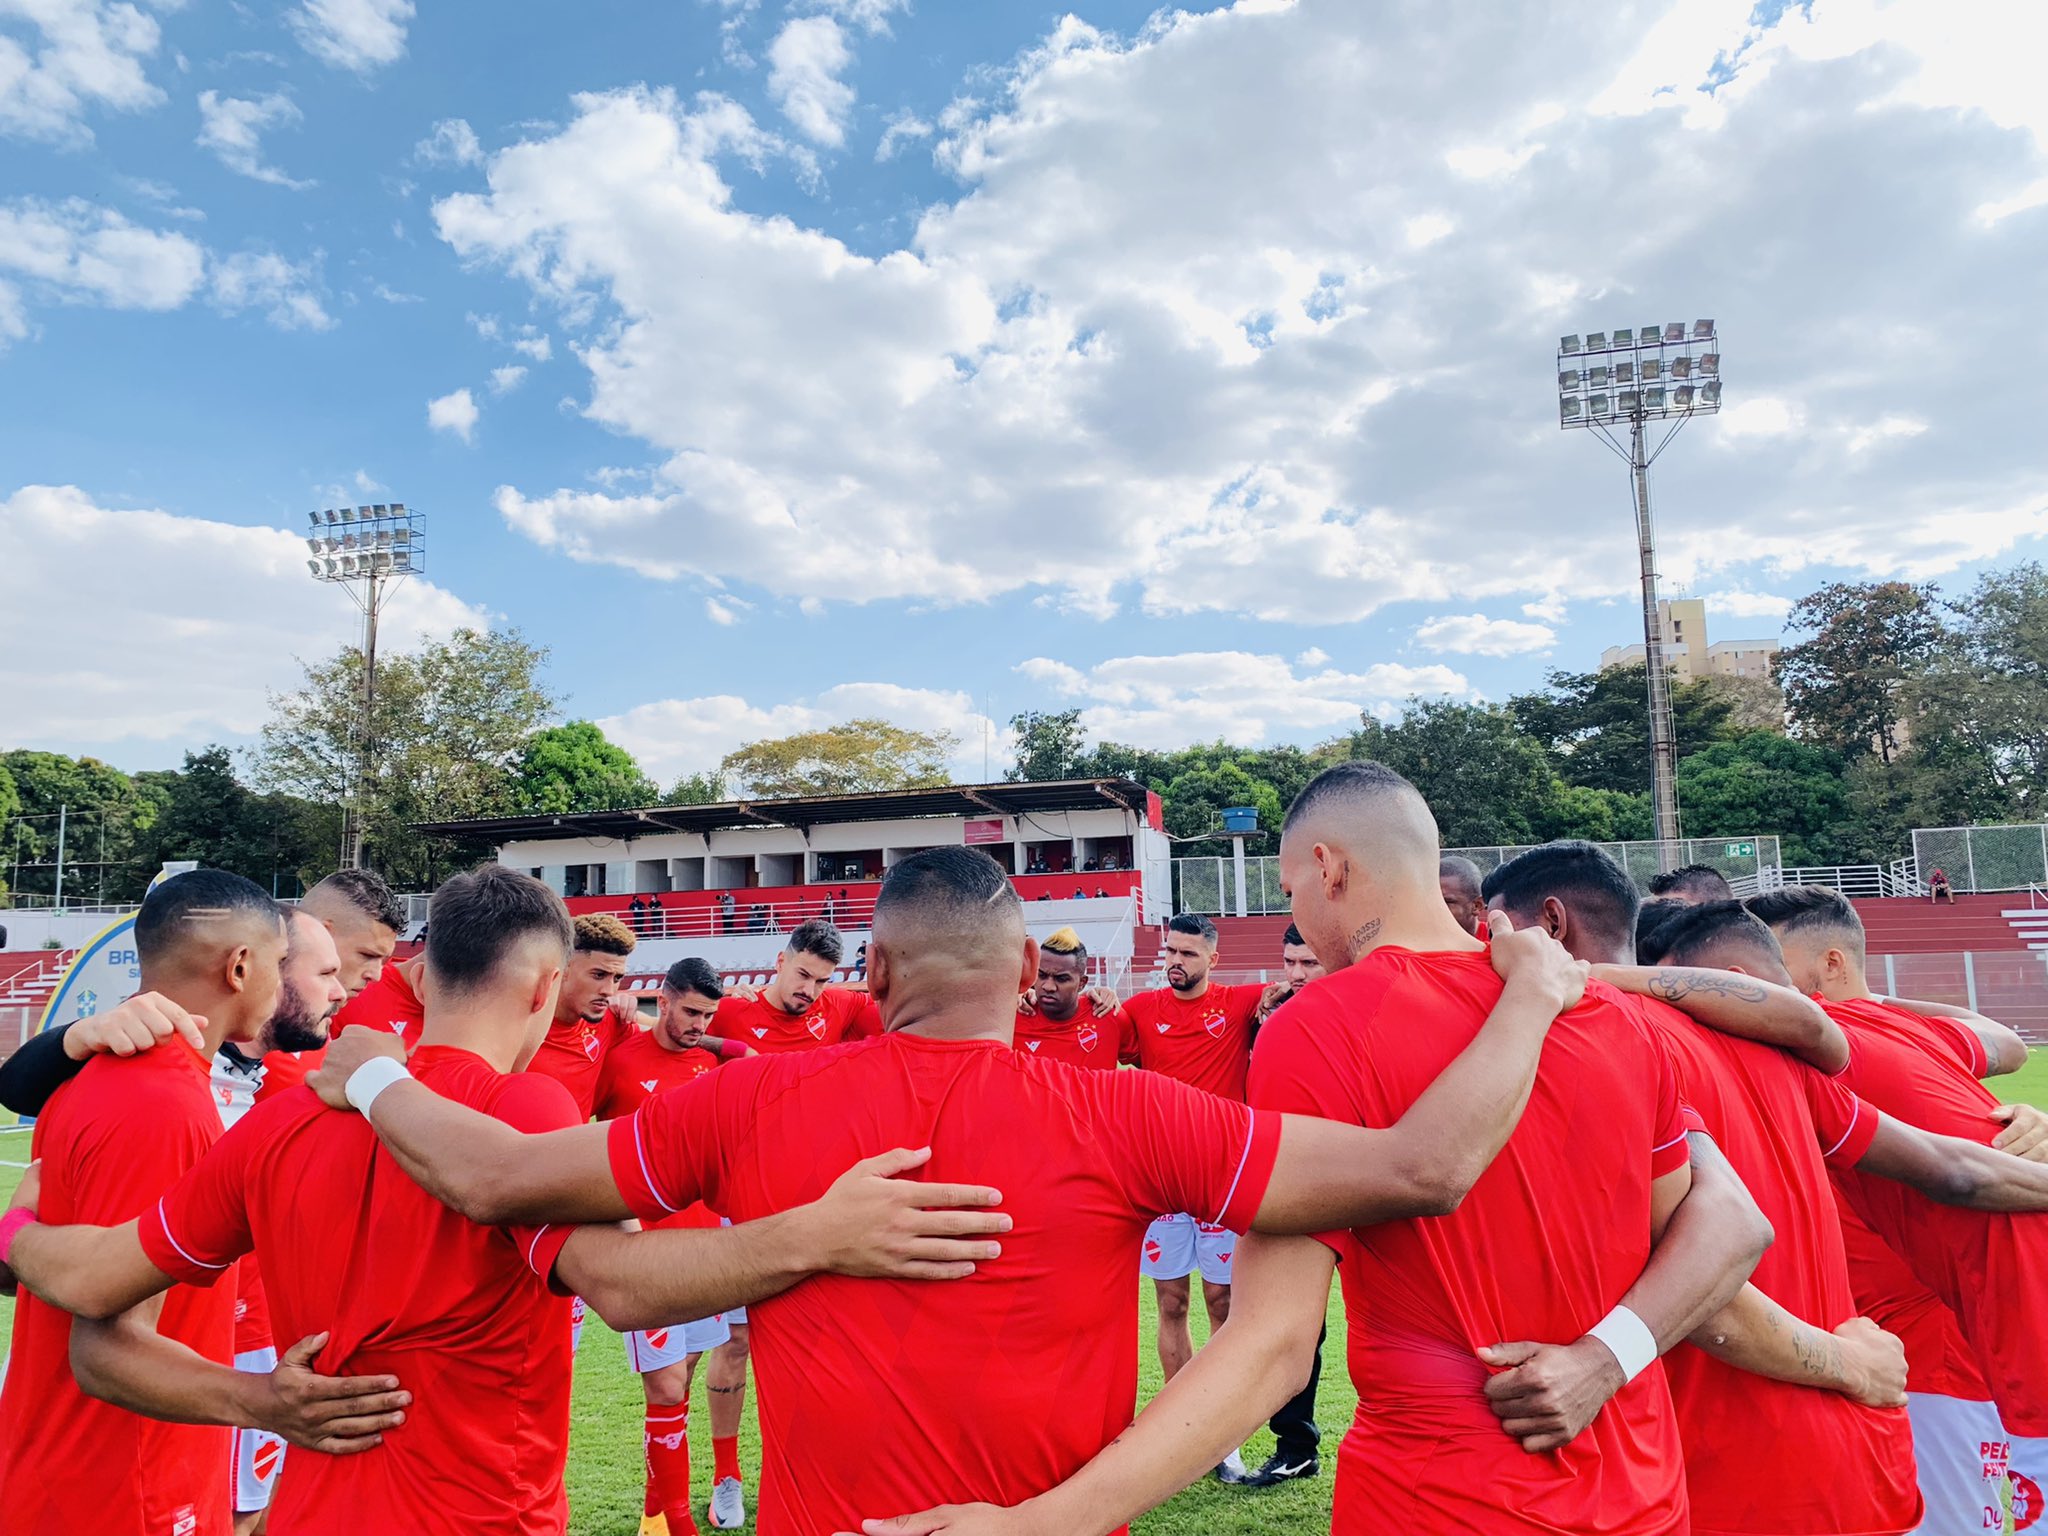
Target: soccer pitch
605, 1479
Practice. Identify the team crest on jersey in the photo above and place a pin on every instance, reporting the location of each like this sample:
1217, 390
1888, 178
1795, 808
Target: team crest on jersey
589, 1039
184, 1520
265, 1462
815, 1023
1213, 1022
1086, 1036
657, 1338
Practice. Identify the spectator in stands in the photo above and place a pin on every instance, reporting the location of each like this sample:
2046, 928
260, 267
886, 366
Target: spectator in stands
1101, 890
1939, 889
1458, 880
860, 963
1110, 861
636, 915
1696, 885
725, 907
1045, 895
657, 918
1080, 893
1037, 864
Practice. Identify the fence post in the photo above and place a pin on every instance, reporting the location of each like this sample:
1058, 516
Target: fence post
1970, 977
1891, 976
1970, 857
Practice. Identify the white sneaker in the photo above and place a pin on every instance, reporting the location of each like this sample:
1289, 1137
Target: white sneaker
728, 1510
1231, 1469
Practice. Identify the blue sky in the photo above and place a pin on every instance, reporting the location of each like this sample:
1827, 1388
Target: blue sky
941, 360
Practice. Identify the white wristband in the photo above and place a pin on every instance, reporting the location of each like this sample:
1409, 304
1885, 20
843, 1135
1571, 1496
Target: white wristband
371, 1079
1627, 1335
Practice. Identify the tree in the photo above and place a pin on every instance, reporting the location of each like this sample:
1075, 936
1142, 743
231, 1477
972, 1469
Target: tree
281, 842
452, 720
1596, 725
695, 789
574, 767
1984, 693
104, 815
1753, 703
10, 806
1048, 744
1846, 686
1486, 780
861, 756
1764, 783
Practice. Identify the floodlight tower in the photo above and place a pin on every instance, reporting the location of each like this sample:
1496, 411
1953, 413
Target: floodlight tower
367, 551
1628, 379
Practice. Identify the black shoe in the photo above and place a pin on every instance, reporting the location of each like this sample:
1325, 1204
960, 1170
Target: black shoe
1279, 1468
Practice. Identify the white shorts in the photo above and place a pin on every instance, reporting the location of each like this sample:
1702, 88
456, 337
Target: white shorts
655, 1349
256, 1454
575, 1324
1963, 1455
1176, 1246
737, 1317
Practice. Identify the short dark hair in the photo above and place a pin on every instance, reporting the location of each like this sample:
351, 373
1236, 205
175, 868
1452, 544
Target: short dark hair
366, 891
815, 936
476, 919
1595, 889
1345, 781
602, 934
693, 973
1705, 928
1701, 881
173, 909
961, 878
1809, 908
1455, 866
1651, 919
1292, 936
1194, 925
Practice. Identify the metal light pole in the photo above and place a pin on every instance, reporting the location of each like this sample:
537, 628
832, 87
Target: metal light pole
367, 551
1633, 378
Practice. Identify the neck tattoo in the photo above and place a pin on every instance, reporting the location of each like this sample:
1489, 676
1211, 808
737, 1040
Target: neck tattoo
1363, 935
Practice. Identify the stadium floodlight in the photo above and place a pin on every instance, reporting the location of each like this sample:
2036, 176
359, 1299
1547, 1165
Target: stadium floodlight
356, 554
1637, 362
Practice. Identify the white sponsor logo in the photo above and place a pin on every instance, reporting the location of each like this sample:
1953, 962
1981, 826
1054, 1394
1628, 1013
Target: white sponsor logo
1031, 1045
760, 1034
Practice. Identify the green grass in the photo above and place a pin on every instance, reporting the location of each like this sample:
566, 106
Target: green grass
605, 1477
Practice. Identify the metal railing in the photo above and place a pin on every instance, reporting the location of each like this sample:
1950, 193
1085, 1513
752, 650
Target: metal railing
1854, 880
1998, 858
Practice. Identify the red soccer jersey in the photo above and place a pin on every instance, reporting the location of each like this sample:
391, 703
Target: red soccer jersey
635, 1070
1206, 1044
838, 1014
111, 1141
460, 1314
994, 1387
1938, 1357
1088, 1039
1550, 1238
573, 1055
386, 1003
1752, 1445
1986, 1265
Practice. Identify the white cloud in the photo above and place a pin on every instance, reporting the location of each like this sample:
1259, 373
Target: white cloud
1168, 702
1886, 429
454, 412
1426, 229
1549, 609
533, 344
672, 737
869, 15
1737, 604
367, 485
902, 128
233, 128
1314, 656
452, 142
723, 611
194, 621
361, 35
804, 64
508, 378
285, 291
61, 58
1474, 634
1073, 381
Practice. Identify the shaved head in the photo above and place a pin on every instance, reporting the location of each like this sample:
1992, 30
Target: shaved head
948, 936
1358, 858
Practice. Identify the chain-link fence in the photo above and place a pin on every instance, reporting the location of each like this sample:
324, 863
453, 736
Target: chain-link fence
2005, 858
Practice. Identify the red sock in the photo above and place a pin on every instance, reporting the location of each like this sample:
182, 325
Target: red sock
725, 1457
668, 1466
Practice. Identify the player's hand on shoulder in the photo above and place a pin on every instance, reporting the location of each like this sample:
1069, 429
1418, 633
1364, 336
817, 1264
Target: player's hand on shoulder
875, 1223
2025, 1134
1275, 994
1105, 1000
952, 1520
740, 992
346, 1052
1546, 1394
625, 1007
1027, 1004
1875, 1364
140, 1024
337, 1415
1533, 959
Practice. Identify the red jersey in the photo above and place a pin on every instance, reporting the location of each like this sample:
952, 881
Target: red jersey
386, 1003
1088, 1039
1548, 1241
111, 1141
1752, 1445
838, 1014
1206, 1044
1986, 1265
1938, 1357
573, 1055
460, 1314
994, 1387
635, 1070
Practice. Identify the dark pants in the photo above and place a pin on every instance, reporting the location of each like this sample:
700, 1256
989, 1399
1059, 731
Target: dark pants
1294, 1426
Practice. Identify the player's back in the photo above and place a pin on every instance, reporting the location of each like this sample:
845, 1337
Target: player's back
881, 1397
1548, 1240
110, 1142
1751, 1443
352, 1247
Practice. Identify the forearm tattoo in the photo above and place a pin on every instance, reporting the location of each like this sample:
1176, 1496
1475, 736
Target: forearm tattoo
1674, 985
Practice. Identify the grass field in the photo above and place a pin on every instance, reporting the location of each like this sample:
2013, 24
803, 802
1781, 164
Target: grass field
604, 1444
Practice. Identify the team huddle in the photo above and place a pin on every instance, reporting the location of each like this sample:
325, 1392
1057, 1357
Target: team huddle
1649, 1218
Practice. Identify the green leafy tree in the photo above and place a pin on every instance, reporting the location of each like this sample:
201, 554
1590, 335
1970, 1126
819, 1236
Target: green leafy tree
10, 807
105, 816
1048, 744
1596, 725
695, 789
1984, 694
859, 757
1763, 783
574, 767
1487, 780
1847, 685
281, 842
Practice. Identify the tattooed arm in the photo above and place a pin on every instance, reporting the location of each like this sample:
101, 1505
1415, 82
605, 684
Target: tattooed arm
1859, 1359
1740, 1005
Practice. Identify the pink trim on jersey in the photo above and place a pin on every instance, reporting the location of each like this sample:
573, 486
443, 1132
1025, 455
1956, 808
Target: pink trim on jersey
1251, 1127
1674, 1141
534, 1242
1847, 1133
172, 1238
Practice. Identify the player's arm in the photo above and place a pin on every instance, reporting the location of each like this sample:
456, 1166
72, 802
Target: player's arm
47, 1061
87, 1271
1250, 1366
1706, 1237
1330, 1176
2004, 1050
1859, 1359
1740, 1005
1954, 1170
871, 1222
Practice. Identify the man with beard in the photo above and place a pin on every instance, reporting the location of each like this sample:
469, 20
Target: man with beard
365, 920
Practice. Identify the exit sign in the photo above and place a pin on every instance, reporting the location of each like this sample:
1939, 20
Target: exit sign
1738, 850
